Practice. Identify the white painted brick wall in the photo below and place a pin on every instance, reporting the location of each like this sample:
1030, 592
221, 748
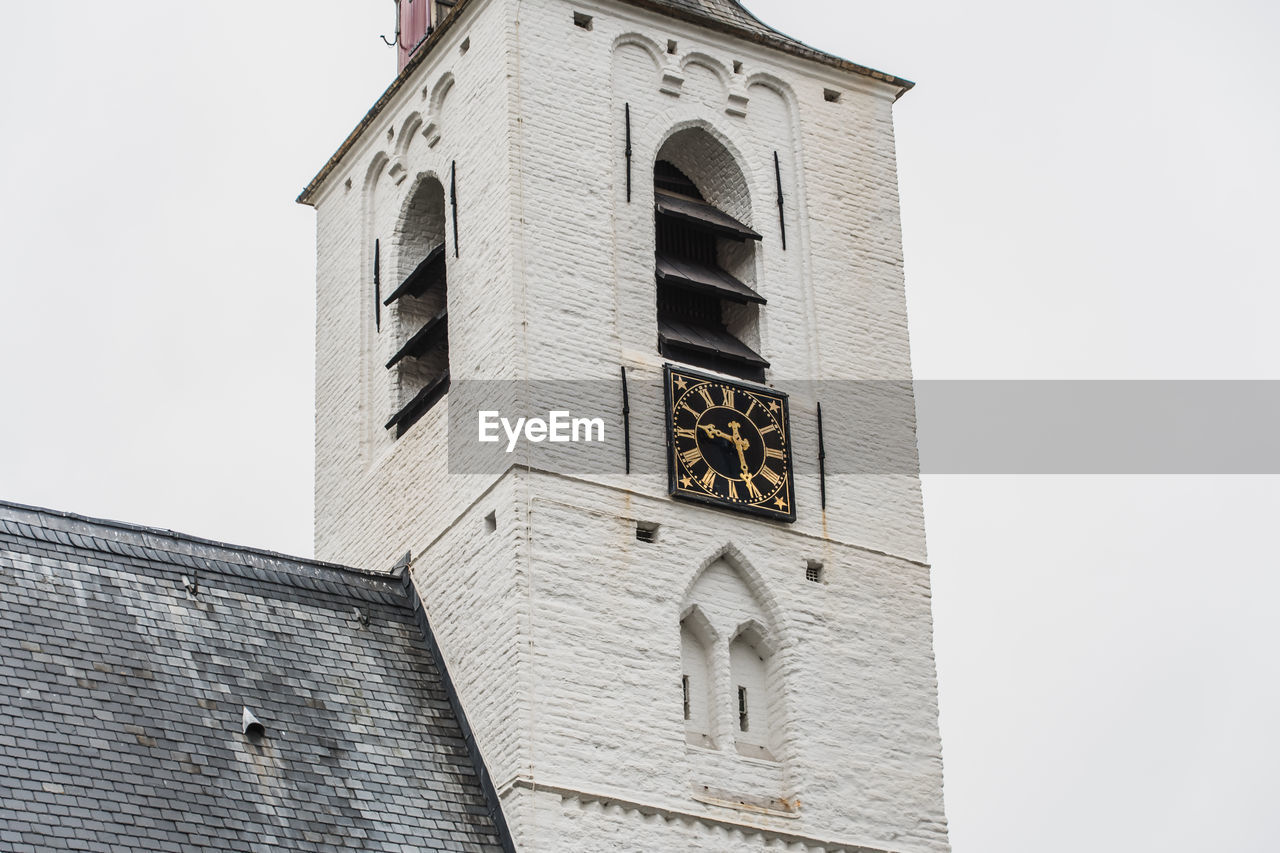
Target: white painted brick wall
560, 629
369, 487
859, 730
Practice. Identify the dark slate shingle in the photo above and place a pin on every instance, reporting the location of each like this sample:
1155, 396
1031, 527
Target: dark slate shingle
121, 699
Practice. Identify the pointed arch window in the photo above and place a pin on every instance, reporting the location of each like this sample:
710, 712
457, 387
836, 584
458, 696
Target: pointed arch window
707, 310
729, 674
420, 363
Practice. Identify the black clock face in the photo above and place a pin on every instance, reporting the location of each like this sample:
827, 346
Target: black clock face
729, 445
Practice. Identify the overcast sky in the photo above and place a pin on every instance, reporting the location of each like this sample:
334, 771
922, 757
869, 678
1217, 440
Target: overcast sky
1089, 190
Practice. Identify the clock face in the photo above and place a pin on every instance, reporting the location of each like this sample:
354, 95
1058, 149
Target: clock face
729, 445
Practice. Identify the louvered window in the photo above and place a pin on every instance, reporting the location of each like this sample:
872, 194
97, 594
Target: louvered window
695, 292
420, 361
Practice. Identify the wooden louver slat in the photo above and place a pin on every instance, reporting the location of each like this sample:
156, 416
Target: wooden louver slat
699, 214
684, 272
425, 276
707, 340
418, 406
435, 329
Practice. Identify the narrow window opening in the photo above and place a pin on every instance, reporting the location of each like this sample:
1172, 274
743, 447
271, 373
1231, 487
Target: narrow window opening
581, 20
814, 572
347, 186
672, 47
752, 674
465, 46
646, 531
491, 521
696, 679
831, 96
737, 66
391, 134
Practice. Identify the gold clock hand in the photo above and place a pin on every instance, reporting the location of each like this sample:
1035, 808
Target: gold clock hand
742, 444
713, 432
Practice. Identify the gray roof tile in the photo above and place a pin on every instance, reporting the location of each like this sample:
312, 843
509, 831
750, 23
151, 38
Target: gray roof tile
121, 696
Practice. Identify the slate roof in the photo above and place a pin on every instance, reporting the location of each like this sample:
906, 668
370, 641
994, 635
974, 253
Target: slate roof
723, 11
730, 16
727, 16
121, 695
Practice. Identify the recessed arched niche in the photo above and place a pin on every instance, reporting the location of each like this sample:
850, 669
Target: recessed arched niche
697, 650
732, 688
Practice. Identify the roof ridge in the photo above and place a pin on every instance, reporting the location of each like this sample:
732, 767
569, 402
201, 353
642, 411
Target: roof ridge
125, 539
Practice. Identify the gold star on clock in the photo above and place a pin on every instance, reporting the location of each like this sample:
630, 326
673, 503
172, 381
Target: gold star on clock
773, 406
680, 383
686, 482
782, 504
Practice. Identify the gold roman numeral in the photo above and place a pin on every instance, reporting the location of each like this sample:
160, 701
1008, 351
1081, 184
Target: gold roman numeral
705, 395
752, 407
774, 453
733, 490
689, 432
770, 475
728, 396
691, 457
708, 480
752, 490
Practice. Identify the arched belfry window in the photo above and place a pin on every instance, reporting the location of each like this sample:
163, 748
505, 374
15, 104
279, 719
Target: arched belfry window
708, 308
420, 364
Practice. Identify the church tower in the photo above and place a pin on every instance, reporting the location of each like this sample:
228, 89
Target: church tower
701, 625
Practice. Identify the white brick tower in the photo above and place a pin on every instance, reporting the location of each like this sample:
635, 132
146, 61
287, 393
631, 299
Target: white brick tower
553, 190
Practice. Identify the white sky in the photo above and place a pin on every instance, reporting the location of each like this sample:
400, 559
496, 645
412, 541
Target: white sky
1089, 191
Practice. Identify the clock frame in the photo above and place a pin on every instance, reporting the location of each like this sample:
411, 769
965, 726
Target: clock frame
728, 444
